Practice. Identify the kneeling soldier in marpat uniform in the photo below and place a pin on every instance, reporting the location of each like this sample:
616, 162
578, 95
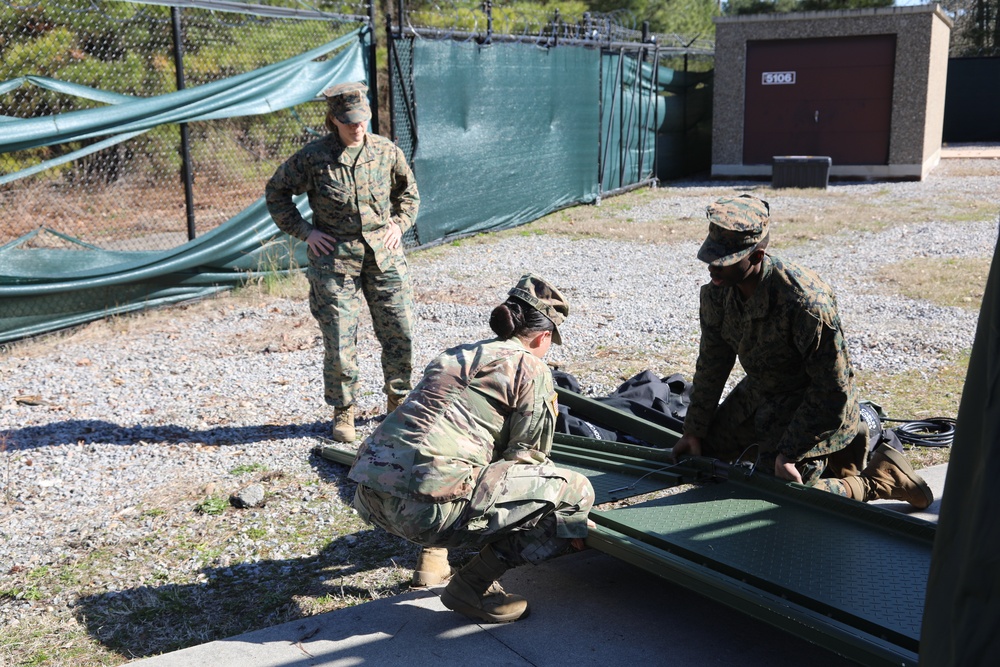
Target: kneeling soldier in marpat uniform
797, 408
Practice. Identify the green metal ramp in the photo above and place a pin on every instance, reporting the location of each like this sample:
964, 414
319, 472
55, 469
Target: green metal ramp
845, 575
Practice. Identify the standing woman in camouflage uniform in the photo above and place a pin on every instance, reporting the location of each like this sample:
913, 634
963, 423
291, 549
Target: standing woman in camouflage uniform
464, 460
363, 199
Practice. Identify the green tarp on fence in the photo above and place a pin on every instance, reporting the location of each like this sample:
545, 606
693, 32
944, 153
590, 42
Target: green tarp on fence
43, 289
506, 134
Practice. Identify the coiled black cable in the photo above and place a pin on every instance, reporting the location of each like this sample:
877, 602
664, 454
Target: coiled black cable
934, 432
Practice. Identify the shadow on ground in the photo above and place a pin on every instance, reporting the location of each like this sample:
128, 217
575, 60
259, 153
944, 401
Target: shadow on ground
152, 619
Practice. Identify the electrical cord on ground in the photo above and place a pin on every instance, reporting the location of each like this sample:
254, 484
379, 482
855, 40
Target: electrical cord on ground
934, 432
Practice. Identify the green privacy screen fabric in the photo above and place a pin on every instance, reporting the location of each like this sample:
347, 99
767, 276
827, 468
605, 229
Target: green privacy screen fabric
962, 608
632, 112
279, 86
506, 134
44, 289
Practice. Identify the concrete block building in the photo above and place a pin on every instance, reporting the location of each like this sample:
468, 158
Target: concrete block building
864, 87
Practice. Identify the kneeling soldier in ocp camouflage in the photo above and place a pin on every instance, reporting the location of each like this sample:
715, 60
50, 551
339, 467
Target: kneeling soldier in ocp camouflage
463, 461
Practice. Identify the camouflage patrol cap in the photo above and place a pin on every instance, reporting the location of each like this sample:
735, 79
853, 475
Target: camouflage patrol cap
735, 227
348, 102
544, 298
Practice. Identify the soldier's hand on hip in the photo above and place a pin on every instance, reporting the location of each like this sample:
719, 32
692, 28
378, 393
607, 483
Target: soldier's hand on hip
320, 243
393, 235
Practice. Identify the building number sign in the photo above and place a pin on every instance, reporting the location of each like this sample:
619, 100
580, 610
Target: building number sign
778, 78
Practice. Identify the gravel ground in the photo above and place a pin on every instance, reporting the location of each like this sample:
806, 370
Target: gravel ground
156, 411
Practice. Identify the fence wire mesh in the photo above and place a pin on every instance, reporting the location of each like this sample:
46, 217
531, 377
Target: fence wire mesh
402, 106
538, 24
131, 196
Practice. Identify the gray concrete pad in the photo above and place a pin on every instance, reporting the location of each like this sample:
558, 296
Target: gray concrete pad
976, 151
586, 609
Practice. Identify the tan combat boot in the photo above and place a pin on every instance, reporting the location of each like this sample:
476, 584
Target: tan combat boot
432, 567
392, 402
343, 424
475, 592
888, 476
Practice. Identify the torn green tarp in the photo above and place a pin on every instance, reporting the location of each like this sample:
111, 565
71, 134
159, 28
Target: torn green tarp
962, 607
63, 87
279, 86
43, 289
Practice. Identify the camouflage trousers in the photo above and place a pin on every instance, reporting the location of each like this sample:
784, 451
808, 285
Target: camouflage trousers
528, 513
335, 302
747, 427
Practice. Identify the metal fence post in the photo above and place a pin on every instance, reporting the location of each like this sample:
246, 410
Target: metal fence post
373, 67
656, 115
488, 8
186, 172
390, 45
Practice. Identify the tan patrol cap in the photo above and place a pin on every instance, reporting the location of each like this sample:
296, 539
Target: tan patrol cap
543, 297
348, 102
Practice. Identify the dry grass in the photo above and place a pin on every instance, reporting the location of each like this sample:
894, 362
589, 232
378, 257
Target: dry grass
129, 214
801, 215
133, 598
819, 214
946, 282
919, 394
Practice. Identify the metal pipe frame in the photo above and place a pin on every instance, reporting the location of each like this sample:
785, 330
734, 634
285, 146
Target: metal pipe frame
187, 175
618, 420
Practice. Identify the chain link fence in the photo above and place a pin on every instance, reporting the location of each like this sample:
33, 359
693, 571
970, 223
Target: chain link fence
132, 196
538, 24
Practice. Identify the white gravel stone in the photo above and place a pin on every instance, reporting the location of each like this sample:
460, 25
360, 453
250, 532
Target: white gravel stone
181, 401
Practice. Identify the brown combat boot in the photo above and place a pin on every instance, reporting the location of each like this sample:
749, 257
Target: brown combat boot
392, 402
432, 567
888, 476
475, 592
343, 424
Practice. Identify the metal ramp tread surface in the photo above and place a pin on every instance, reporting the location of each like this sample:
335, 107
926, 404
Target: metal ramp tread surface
859, 573
845, 575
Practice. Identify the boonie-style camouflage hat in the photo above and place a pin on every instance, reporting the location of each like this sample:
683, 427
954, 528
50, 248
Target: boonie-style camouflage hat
544, 298
348, 102
735, 227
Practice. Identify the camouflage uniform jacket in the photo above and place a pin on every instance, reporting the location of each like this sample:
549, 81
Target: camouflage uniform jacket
789, 340
476, 404
352, 203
